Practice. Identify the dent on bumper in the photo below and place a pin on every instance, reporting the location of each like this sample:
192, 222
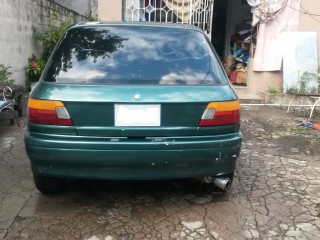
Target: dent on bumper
107, 158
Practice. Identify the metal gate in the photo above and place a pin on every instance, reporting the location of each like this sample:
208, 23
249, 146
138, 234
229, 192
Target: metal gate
193, 12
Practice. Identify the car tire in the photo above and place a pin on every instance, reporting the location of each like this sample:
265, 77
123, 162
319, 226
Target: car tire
48, 185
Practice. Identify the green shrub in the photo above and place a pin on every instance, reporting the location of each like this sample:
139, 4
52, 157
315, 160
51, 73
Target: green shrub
4, 76
292, 89
49, 40
52, 36
273, 90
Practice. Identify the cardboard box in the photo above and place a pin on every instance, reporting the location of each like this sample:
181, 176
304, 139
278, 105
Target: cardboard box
242, 77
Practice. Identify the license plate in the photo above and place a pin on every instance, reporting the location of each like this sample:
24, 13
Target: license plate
137, 115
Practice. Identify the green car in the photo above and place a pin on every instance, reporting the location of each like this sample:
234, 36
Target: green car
137, 101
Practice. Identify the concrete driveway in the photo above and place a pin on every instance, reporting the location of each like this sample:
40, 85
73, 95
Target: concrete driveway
275, 194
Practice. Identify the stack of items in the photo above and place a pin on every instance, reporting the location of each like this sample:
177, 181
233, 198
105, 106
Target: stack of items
236, 71
241, 76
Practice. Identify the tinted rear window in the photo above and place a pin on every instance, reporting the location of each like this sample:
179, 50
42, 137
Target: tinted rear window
134, 55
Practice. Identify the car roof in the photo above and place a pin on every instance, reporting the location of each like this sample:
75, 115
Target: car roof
148, 24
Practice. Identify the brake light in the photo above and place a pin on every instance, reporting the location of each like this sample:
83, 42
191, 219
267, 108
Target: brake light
221, 113
48, 112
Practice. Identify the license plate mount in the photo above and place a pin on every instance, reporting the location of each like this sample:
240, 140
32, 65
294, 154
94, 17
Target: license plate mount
137, 115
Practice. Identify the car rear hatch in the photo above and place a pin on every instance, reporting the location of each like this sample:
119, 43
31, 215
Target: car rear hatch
136, 81
140, 111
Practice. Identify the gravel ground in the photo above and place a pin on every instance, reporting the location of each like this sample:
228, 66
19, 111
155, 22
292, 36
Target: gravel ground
275, 194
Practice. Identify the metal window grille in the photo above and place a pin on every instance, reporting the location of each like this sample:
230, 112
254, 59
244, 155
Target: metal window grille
193, 12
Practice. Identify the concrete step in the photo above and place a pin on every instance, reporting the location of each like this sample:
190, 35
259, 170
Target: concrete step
246, 98
240, 89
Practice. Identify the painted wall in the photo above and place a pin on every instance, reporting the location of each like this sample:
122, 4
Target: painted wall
110, 10
310, 23
259, 81
18, 19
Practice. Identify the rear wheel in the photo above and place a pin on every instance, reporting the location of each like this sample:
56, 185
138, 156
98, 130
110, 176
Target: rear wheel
48, 185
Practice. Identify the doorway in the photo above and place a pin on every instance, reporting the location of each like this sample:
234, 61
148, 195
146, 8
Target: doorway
231, 37
219, 18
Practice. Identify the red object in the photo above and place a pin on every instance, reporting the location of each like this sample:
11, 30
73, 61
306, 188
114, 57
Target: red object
233, 76
316, 126
34, 65
222, 118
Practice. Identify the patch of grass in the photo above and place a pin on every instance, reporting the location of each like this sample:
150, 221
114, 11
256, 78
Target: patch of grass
273, 90
301, 130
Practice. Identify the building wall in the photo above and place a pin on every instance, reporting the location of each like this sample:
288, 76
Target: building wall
94, 7
45, 9
110, 10
80, 6
259, 81
310, 23
18, 19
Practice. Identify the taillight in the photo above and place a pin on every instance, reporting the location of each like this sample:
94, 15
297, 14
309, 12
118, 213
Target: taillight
221, 113
48, 112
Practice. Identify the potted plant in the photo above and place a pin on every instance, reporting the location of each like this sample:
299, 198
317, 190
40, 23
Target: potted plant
34, 70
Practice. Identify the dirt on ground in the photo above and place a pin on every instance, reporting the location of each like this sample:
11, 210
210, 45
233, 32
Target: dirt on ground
285, 130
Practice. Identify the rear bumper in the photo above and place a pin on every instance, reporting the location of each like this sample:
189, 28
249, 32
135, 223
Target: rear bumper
122, 159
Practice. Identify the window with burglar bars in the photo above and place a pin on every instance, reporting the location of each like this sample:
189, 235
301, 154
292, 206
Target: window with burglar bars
193, 12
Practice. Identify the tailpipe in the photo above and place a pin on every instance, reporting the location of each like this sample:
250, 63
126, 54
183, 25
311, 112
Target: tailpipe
222, 183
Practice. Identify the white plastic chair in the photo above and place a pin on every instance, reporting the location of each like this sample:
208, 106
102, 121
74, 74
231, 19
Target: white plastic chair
316, 99
312, 98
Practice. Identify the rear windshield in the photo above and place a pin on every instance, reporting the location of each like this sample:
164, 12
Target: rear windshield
134, 55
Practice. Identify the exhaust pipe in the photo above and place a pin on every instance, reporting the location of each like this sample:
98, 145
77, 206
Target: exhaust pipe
222, 183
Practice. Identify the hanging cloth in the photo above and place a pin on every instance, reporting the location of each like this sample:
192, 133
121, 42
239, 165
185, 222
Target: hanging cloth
255, 11
269, 50
253, 3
